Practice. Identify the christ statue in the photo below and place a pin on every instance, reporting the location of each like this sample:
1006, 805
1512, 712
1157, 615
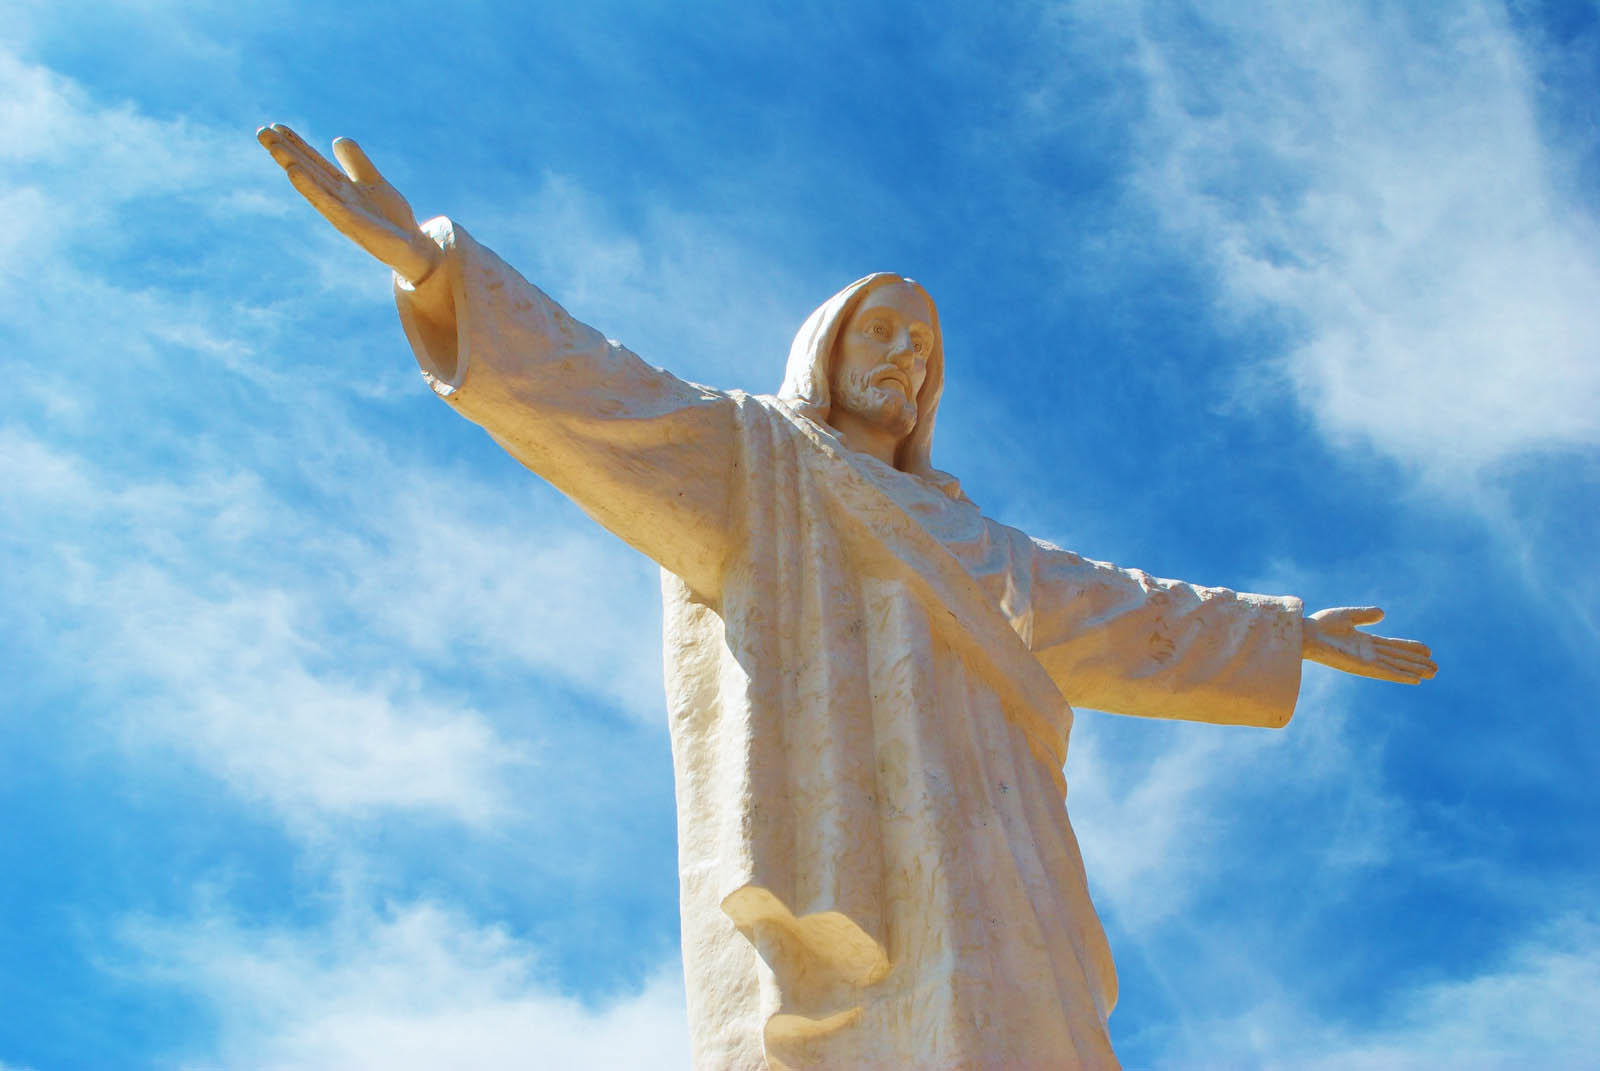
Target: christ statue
869, 683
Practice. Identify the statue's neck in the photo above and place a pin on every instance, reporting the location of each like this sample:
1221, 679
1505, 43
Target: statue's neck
866, 436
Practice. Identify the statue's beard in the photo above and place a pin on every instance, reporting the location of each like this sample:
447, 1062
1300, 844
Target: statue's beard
886, 407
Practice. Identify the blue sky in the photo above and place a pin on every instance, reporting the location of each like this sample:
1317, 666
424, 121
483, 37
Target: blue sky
331, 738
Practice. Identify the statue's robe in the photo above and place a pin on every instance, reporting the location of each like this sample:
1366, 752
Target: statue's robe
869, 686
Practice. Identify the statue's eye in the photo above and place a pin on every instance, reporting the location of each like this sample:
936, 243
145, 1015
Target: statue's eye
919, 347
878, 330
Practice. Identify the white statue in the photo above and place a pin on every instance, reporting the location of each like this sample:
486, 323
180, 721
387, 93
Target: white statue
868, 680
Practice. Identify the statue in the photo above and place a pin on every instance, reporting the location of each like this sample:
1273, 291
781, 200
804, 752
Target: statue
868, 680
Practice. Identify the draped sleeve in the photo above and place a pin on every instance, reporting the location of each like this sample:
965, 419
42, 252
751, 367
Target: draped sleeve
647, 455
1122, 641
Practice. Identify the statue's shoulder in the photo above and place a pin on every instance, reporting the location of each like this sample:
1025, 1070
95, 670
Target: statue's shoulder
780, 416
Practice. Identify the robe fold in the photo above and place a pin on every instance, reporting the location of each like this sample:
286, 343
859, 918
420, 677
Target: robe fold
869, 688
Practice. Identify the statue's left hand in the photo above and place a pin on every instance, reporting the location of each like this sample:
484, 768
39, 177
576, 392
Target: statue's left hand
358, 201
1331, 637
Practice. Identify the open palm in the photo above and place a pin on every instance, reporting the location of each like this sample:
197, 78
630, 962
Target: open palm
359, 201
1332, 638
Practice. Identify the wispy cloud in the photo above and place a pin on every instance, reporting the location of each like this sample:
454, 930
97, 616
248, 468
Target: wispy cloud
1533, 1008
241, 538
1379, 183
237, 673
244, 588
1147, 800
259, 588
1225, 863
410, 986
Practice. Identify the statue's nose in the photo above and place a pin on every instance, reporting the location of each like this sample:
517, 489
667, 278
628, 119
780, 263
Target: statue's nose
900, 349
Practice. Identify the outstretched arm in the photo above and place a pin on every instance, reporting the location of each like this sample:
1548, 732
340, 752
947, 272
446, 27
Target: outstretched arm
1332, 638
1122, 641
647, 455
1125, 642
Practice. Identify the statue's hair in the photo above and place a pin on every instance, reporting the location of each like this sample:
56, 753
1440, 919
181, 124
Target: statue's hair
808, 377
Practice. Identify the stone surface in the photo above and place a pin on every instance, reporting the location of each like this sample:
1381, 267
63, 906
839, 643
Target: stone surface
869, 682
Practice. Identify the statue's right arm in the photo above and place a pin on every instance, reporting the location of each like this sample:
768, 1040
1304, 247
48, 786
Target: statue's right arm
647, 455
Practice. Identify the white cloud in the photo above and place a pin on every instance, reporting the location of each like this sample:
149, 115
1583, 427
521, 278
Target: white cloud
232, 672
1536, 1007
461, 573
1189, 832
207, 613
417, 986
1381, 180
86, 161
239, 688
283, 643
219, 562
1157, 805
446, 563
120, 230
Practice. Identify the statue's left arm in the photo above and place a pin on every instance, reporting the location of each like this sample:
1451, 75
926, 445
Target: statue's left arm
1122, 641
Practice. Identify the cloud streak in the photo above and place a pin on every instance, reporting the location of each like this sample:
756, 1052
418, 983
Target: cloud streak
411, 986
237, 676
268, 597
1533, 1008
1382, 182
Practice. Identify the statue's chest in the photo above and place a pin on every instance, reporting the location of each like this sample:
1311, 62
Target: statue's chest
999, 558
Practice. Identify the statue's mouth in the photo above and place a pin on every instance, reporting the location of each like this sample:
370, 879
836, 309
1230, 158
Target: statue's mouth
893, 375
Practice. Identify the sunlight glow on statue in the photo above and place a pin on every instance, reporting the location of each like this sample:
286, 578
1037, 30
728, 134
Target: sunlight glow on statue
869, 682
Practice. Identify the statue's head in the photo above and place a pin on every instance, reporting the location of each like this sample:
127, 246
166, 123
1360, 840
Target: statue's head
874, 350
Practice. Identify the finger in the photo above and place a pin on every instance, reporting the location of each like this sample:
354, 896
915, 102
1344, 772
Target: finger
1396, 674
1411, 647
377, 236
354, 161
281, 150
311, 158
314, 188
291, 159
1417, 662
1412, 672
1363, 615
1421, 667
284, 156
314, 158
1401, 649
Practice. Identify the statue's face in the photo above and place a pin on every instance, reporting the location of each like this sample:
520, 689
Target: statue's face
881, 358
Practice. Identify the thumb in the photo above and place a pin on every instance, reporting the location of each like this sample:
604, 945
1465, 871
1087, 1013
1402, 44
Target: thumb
354, 161
1363, 615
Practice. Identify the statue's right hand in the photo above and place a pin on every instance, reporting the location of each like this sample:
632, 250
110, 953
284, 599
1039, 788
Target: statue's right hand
359, 201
